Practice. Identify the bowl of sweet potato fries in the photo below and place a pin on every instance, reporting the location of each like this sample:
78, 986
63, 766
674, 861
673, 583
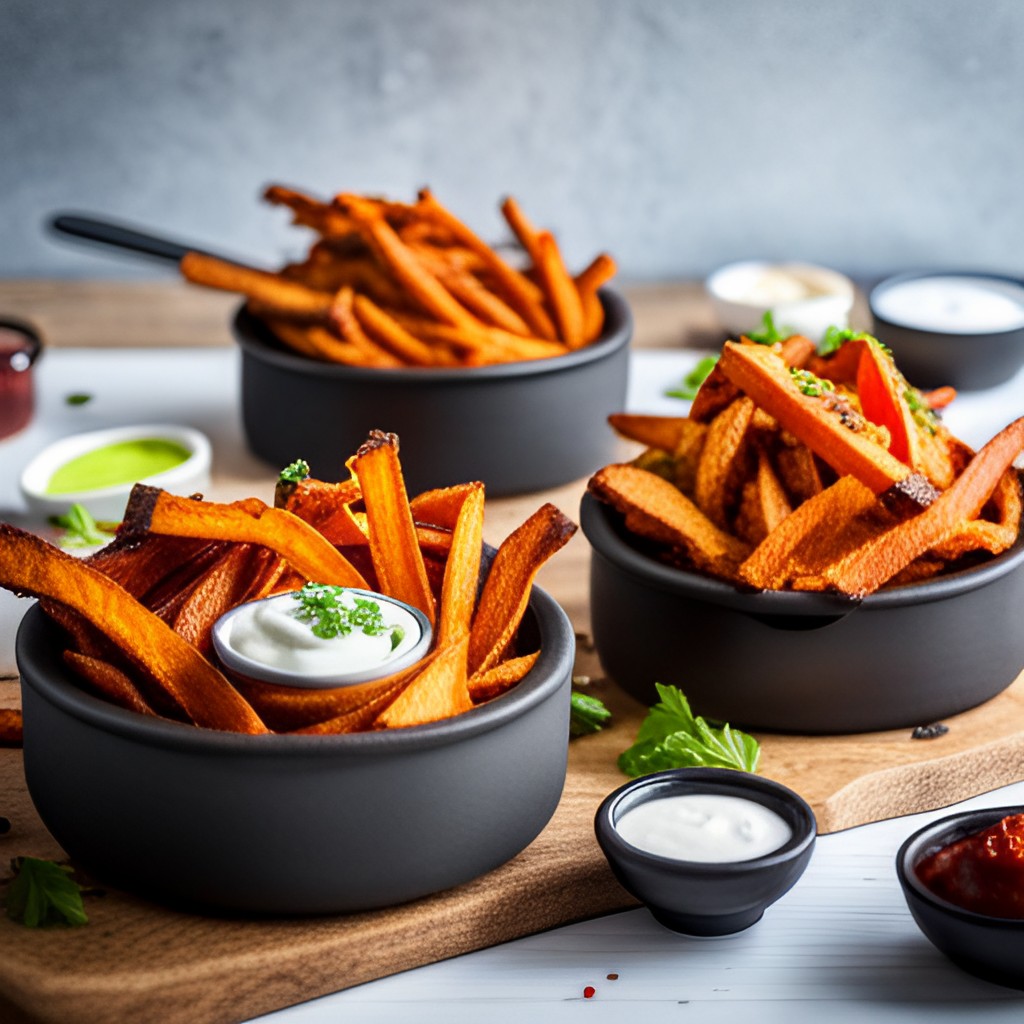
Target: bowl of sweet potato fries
810, 550
491, 366
159, 770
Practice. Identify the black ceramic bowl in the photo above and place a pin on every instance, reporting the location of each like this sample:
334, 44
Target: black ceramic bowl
989, 947
700, 898
294, 824
803, 662
518, 427
932, 357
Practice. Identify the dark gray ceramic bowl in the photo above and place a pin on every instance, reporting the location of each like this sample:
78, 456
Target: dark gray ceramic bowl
988, 947
933, 358
803, 662
294, 824
700, 898
518, 427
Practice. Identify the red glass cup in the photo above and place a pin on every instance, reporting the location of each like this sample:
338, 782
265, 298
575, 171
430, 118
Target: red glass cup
20, 345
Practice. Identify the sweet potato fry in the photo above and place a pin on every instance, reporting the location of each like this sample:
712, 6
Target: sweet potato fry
884, 555
347, 324
827, 425
495, 681
396, 555
506, 591
10, 727
440, 691
462, 570
664, 432
798, 470
561, 292
309, 212
995, 535
588, 283
30, 566
108, 681
764, 503
308, 552
441, 506
359, 718
721, 468
390, 334
655, 509
269, 289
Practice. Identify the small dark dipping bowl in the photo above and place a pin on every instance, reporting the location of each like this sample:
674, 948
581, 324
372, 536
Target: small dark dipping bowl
518, 427
294, 824
931, 358
803, 662
988, 947
698, 898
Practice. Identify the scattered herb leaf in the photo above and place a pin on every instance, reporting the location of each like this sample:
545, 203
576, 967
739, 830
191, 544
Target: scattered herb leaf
43, 892
835, 337
77, 398
693, 380
769, 333
809, 384
80, 529
295, 472
671, 736
320, 605
586, 714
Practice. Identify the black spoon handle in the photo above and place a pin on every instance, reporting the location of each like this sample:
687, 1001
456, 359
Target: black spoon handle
119, 236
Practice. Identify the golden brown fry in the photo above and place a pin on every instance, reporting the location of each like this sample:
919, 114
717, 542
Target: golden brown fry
392, 533
722, 466
655, 509
346, 323
439, 691
462, 570
390, 334
496, 681
108, 681
28, 565
561, 291
588, 283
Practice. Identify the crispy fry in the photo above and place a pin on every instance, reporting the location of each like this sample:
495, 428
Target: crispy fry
827, 425
309, 553
993, 536
506, 592
561, 291
10, 727
655, 509
440, 691
347, 324
763, 504
462, 570
393, 336
496, 681
28, 565
888, 552
392, 534
259, 285
664, 432
109, 681
588, 283
721, 467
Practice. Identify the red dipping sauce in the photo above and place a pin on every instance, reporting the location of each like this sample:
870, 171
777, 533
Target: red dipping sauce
983, 873
18, 350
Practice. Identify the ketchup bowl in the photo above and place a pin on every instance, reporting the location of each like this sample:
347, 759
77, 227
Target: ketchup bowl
287, 823
982, 944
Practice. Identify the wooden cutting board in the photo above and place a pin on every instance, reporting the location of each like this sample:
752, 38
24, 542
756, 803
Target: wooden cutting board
139, 961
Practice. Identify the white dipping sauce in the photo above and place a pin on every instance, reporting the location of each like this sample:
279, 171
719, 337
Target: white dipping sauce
268, 632
953, 304
705, 827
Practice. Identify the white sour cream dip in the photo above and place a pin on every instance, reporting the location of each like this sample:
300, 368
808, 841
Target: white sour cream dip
268, 632
953, 304
705, 827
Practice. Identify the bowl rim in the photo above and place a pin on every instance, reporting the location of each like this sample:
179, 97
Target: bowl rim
941, 833
41, 466
697, 780
553, 666
596, 523
842, 287
915, 275
252, 334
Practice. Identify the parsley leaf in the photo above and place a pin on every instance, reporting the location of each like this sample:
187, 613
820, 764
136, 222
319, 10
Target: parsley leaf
321, 607
693, 380
80, 529
835, 337
43, 892
77, 398
769, 333
295, 472
586, 714
671, 736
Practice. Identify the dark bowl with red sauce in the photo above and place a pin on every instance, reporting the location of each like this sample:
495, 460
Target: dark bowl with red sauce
983, 944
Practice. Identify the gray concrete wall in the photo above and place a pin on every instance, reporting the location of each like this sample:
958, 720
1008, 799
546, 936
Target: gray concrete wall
870, 136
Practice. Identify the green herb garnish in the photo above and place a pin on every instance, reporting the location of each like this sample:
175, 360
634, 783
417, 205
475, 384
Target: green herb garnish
809, 384
836, 337
769, 333
43, 892
321, 607
586, 714
295, 472
77, 398
80, 529
693, 380
671, 736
